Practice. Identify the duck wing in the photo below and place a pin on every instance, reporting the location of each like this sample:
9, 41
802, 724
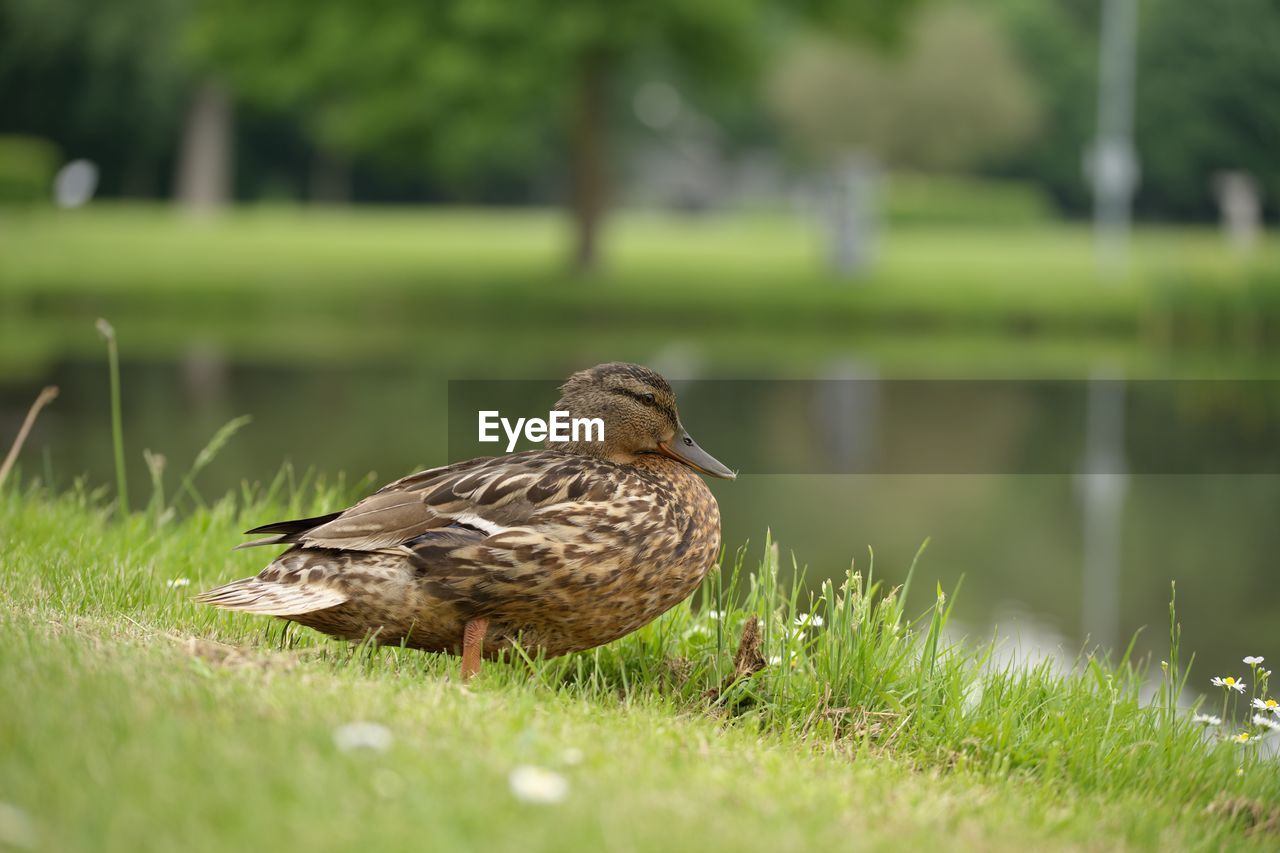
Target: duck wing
469, 500
468, 521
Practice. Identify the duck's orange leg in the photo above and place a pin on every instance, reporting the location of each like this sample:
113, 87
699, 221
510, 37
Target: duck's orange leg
472, 646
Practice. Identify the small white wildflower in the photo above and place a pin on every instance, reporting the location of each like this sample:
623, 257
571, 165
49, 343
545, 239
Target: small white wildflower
175, 583
1207, 720
536, 785
1243, 737
1253, 660
17, 829
1266, 722
362, 735
1266, 705
809, 620
572, 756
1228, 682
714, 615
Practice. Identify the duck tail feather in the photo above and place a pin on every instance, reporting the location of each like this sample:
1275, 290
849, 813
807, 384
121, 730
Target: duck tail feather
295, 526
280, 539
255, 595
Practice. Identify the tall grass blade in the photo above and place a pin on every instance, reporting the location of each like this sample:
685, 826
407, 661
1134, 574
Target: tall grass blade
210, 452
46, 397
117, 418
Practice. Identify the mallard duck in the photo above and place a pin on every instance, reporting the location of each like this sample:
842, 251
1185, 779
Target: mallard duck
563, 549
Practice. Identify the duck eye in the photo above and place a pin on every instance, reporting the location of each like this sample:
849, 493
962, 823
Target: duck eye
648, 398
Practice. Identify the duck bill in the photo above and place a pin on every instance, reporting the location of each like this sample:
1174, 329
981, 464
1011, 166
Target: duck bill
684, 449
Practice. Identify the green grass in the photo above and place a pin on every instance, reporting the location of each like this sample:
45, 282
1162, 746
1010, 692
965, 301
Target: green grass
272, 283
136, 719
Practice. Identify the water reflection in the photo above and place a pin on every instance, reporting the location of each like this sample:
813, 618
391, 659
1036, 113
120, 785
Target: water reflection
1102, 485
846, 409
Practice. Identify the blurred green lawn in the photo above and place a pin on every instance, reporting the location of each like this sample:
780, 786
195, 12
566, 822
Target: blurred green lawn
121, 249
328, 282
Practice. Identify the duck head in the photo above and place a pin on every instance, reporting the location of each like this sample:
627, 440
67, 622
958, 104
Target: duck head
638, 409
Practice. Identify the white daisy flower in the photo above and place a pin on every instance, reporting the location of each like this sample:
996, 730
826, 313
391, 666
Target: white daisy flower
714, 615
1229, 682
807, 620
537, 785
175, 583
362, 735
1207, 720
1253, 660
1266, 722
1266, 705
1243, 737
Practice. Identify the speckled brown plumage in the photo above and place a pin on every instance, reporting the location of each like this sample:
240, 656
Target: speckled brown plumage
564, 548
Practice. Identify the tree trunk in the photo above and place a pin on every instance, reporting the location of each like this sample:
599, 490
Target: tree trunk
587, 166
203, 181
330, 178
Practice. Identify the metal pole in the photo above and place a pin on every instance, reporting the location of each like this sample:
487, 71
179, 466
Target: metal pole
1112, 162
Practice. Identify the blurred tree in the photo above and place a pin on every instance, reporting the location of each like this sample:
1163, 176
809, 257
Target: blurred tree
951, 98
1058, 45
1207, 79
954, 96
205, 159
102, 80
483, 85
1208, 101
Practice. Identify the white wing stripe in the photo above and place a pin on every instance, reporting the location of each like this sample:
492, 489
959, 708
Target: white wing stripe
479, 523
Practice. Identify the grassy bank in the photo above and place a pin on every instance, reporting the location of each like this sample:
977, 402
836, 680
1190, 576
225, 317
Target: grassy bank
135, 719
273, 281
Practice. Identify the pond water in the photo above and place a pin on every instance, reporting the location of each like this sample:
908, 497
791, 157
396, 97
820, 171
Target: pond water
1068, 508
